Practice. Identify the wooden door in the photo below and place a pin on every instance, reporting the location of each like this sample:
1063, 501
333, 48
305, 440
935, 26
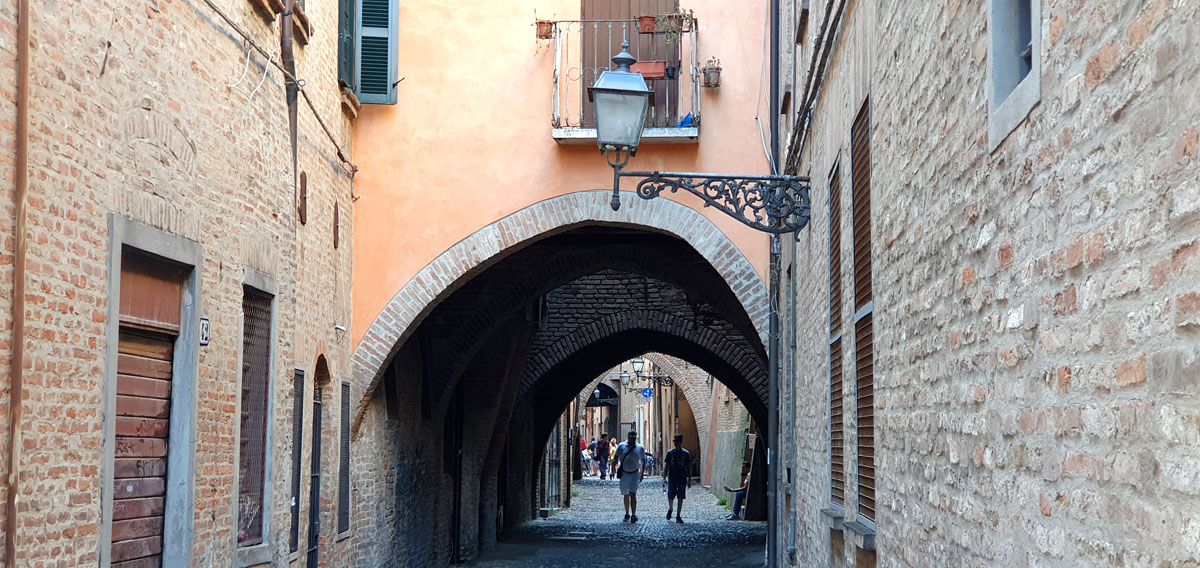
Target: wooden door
601, 41
150, 311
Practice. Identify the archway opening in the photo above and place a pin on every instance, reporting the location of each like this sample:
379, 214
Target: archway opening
473, 393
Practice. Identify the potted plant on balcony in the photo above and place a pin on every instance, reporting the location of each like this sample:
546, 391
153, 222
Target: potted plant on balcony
674, 25
646, 24
545, 29
712, 73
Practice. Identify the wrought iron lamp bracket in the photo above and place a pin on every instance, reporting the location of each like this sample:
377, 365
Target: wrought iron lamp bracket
772, 204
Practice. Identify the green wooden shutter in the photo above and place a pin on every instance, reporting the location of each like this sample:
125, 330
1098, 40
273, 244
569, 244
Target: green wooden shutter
377, 52
347, 10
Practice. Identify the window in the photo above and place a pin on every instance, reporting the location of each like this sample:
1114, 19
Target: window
297, 451
1014, 70
367, 49
252, 452
864, 306
837, 435
344, 466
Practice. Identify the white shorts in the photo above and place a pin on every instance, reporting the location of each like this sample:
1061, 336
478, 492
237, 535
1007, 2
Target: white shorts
629, 482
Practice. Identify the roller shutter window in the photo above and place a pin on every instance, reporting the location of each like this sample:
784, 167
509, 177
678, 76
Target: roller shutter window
143, 421
344, 465
150, 309
837, 435
864, 345
377, 51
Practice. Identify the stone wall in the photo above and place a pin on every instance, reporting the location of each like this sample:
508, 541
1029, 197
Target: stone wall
1035, 304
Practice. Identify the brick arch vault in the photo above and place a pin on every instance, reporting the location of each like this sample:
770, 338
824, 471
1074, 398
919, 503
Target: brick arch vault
460, 378
441, 277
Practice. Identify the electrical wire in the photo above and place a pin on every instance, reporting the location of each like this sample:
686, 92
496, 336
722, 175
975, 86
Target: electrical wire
346, 163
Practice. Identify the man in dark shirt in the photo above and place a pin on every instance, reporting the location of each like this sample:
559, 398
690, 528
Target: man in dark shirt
677, 475
601, 455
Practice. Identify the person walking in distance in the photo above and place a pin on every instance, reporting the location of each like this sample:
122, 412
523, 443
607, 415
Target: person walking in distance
612, 446
677, 469
631, 468
601, 455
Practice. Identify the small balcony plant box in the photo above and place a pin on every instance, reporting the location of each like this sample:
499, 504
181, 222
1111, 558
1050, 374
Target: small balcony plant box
650, 69
712, 73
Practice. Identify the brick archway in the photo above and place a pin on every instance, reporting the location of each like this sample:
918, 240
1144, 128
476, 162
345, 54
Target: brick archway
745, 363
691, 383
395, 323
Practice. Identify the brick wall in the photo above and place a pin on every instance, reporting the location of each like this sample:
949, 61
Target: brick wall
131, 116
1035, 323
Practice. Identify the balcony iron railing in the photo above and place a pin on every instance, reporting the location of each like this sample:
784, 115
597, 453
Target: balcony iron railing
584, 48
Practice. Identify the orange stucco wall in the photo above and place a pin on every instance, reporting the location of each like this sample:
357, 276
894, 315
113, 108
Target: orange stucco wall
469, 141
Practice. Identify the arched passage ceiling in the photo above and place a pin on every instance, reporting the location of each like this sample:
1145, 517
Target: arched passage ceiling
584, 285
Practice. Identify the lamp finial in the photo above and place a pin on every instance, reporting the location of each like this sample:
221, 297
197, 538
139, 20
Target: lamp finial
624, 59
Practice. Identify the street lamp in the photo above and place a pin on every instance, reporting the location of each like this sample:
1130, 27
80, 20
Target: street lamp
621, 96
638, 365
776, 204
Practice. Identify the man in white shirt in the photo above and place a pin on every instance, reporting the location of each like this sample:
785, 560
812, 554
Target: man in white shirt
631, 468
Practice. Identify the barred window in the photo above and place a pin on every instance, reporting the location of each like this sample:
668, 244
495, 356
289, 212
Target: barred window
252, 454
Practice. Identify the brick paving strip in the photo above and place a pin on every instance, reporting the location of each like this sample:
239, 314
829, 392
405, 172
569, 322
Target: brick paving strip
590, 534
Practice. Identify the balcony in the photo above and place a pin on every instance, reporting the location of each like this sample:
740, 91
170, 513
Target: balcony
668, 61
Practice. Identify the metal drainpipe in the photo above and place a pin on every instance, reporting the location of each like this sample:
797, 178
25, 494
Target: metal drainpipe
18, 297
288, 60
773, 325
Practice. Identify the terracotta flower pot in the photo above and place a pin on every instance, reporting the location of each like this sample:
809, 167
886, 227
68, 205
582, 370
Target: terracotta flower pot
646, 24
712, 77
545, 29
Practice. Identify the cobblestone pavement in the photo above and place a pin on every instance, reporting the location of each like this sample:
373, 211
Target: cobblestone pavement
591, 533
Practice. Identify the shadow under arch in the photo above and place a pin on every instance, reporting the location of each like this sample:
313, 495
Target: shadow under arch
466, 259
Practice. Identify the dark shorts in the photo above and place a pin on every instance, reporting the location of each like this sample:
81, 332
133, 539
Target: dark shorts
677, 490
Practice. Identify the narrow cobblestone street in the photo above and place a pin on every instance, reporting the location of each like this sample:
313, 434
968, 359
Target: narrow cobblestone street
591, 533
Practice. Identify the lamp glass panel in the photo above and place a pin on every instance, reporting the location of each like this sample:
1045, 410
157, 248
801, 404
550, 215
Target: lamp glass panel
638, 365
620, 117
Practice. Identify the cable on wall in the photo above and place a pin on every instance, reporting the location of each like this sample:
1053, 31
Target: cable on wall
346, 163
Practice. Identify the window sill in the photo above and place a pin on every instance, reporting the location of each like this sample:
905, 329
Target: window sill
268, 9
341, 536
861, 535
833, 518
252, 555
350, 104
656, 135
300, 25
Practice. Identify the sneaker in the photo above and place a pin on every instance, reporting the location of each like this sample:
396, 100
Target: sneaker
633, 519
668, 514
626, 518
732, 517
678, 520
